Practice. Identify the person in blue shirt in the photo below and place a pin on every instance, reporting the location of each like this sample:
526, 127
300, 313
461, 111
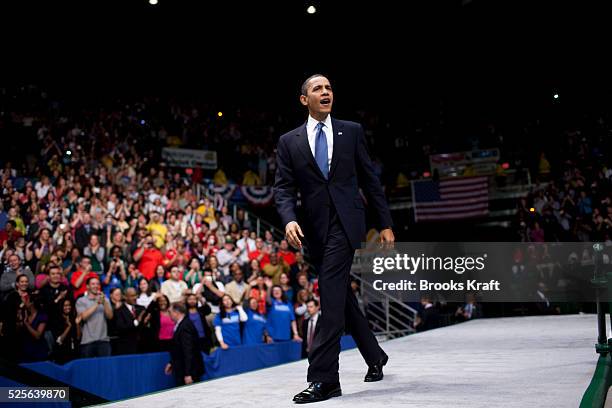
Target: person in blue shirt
255, 327
281, 319
227, 323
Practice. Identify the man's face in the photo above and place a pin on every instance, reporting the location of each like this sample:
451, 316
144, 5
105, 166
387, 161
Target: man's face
14, 261
175, 273
238, 275
319, 96
130, 297
312, 308
86, 264
93, 286
284, 245
55, 275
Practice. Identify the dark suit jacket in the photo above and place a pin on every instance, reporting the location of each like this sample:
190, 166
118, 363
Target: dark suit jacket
430, 319
351, 169
185, 352
129, 335
305, 335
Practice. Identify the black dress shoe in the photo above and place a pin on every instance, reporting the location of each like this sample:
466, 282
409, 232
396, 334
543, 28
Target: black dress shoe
318, 391
375, 371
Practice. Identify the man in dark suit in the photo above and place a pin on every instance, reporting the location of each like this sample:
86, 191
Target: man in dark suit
309, 326
129, 321
186, 363
428, 318
327, 161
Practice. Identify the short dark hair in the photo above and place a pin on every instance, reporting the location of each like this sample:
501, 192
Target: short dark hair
313, 300
179, 307
304, 88
91, 278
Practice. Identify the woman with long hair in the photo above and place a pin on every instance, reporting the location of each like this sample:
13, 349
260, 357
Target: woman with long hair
281, 318
227, 323
67, 340
161, 323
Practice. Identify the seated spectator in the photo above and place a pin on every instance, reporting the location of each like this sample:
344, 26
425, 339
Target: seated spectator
174, 288
81, 276
281, 318
236, 288
227, 323
255, 327
197, 315
94, 310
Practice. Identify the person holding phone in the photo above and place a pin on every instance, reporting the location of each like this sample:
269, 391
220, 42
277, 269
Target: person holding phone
94, 309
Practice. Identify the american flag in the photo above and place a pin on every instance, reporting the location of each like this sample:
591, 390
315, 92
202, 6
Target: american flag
450, 199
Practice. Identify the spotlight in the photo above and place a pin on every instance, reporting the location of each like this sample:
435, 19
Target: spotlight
505, 166
532, 209
556, 95
68, 153
311, 10
219, 114
152, 2
426, 174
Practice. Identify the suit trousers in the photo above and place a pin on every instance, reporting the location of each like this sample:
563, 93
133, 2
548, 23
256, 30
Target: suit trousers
339, 309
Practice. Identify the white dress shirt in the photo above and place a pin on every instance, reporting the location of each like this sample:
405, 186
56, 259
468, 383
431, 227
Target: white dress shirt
311, 129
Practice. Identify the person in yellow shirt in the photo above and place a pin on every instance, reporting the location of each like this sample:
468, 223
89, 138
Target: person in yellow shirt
207, 210
220, 179
275, 268
251, 179
157, 229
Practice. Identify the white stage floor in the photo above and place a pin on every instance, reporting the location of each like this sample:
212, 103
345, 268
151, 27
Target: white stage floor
543, 361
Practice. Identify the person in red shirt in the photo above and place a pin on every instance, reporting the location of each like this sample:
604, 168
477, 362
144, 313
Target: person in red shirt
260, 253
10, 233
79, 278
148, 257
285, 253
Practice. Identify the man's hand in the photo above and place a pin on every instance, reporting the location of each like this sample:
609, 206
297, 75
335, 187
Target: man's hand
387, 237
292, 233
168, 369
188, 379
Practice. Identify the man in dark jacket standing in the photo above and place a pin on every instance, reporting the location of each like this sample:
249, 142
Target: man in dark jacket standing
186, 362
326, 161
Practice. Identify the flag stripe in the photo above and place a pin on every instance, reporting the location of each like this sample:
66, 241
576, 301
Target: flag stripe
450, 199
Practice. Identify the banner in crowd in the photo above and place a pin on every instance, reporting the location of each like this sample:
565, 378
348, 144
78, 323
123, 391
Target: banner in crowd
260, 196
457, 164
176, 157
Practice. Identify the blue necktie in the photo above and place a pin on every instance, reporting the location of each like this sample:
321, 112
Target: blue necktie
321, 149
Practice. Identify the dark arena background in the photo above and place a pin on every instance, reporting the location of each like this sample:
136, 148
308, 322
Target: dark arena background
124, 122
